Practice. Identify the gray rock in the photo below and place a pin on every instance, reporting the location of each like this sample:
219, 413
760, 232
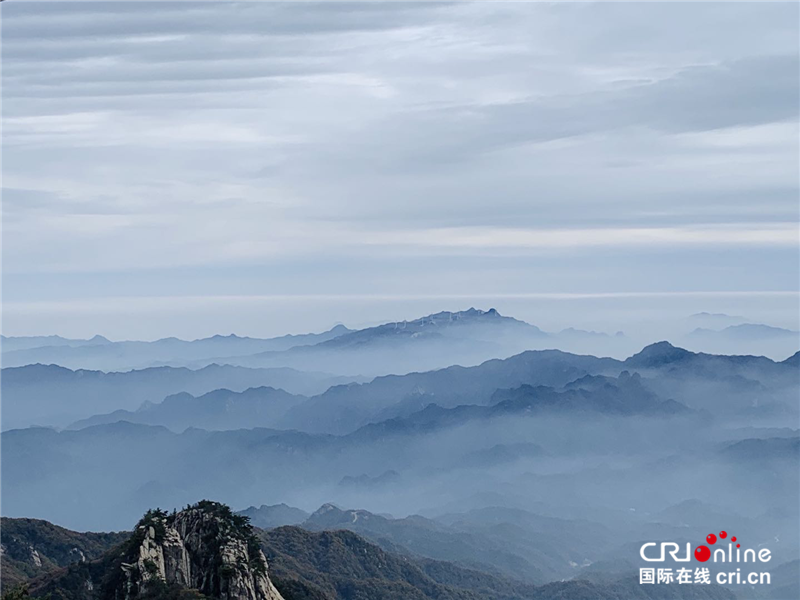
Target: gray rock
199, 549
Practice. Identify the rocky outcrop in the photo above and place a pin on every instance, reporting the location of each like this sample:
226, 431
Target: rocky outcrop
204, 547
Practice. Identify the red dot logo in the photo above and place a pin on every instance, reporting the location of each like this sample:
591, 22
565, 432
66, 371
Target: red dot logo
702, 553
737, 545
723, 534
733, 539
711, 538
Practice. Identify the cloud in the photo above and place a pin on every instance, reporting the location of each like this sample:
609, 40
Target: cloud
521, 239
118, 20
698, 98
286, 140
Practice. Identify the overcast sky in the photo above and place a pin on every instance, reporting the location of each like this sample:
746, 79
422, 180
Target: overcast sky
197, 168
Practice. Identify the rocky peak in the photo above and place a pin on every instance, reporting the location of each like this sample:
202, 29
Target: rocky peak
657, 355
203, 547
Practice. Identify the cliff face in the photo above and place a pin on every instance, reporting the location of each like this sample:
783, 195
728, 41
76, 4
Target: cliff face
204, 547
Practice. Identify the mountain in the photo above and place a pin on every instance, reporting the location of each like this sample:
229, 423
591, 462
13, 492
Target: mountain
750, 338
670, 362
785, 581
12, 344
344, 408
469, 336
53, 395
746, 332
668, 371
102, 354
702, 381
694, 513
760, 450
220, 409
136, 466
277, 515
714, 320
537, 476
204, 547
558, 547
434, 341
754, 388
658, 355
340, 565
440, 454
466, 337
510, 543
207, 552
32, 547
467, 324
793, 360
622, 396
426, 538
486, 441
664, 354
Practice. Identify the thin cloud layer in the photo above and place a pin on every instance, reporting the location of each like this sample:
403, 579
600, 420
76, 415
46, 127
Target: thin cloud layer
259, 144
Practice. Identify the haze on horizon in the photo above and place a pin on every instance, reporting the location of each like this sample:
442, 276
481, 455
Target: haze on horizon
269, 168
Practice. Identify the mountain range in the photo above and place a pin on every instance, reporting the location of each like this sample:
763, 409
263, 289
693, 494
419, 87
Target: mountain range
434, 341
53, 395
452, 456
100, 353
192, 554
552, 377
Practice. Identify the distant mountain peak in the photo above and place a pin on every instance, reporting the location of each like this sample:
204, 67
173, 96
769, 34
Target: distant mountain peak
475, 312
435, 326
470, 316
658, 354
714, 320
745, 332
326, 508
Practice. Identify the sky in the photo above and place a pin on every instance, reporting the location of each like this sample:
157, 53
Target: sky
196, 168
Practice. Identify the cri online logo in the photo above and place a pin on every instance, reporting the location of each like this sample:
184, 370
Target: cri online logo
703, 553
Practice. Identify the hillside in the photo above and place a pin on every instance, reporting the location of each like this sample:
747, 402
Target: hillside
205, 548
205, 551
32, 547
